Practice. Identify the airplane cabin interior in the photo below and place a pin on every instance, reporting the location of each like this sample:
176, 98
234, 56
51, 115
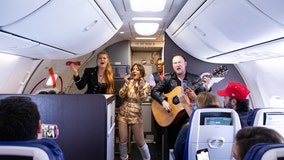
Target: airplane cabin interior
39, 38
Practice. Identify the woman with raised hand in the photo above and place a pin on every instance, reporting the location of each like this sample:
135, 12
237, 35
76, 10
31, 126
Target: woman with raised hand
99, 79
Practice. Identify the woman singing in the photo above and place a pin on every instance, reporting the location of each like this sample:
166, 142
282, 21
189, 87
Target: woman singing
99, 79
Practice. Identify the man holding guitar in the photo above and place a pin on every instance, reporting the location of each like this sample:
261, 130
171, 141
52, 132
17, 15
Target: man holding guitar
171, 84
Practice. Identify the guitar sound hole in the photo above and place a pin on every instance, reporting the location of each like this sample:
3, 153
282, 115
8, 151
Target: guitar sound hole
175, 100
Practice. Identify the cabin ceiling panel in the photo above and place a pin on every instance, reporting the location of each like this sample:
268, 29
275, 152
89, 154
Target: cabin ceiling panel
172, 8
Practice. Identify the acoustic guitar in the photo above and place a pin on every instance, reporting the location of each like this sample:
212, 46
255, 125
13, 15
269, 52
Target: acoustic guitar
165, 118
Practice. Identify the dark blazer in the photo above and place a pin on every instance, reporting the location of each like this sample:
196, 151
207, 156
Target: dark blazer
156, 76
90, 78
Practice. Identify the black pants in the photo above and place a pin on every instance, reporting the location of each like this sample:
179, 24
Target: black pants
174, 128
171, 132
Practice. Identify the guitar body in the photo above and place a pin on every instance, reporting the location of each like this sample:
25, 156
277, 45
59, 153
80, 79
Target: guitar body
162, 117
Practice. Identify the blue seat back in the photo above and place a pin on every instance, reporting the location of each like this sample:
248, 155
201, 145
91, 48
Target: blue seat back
265, 151
268, 117
43, 149
214, 129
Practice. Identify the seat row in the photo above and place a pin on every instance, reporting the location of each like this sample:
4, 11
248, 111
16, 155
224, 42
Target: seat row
214, 130
211, 129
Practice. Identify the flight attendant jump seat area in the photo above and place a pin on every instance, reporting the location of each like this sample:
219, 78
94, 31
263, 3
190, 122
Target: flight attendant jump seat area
86, 123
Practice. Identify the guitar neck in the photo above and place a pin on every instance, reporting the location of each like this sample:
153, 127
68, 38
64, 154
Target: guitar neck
197, 85
220, 71
200, 82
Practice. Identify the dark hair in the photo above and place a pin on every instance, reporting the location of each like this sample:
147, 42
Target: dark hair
19, 119
140, 68
178, 54
249, 136
241, 105
159, 59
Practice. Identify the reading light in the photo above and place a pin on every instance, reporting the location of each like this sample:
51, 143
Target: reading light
147, 5
146, 19
146, 29
150, 38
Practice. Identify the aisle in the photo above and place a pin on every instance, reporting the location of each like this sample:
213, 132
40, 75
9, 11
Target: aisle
155, 151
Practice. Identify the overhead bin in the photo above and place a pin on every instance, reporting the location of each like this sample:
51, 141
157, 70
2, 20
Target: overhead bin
13, 10
217, 28
10, 44
272, 8
63, 27
272, 49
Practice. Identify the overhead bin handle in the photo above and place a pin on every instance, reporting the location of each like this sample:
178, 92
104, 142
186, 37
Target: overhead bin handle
76, 63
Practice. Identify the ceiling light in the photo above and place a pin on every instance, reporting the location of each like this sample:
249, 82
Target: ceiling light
146, 29
145, 38
146, 19
147, 5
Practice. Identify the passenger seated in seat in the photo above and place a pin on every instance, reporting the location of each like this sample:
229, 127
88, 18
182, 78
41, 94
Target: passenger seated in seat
249, 136
203, 100
236, 97
19, 119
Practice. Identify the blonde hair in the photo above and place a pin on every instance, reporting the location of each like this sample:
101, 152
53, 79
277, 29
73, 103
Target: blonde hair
108, 74
205, 99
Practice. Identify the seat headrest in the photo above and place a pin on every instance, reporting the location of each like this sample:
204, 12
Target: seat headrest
49, 146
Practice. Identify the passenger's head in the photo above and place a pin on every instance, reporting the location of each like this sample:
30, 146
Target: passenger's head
138, 71
235, 96
207, 99
160, 65
103, 59
19, 119
179, 64
249, 136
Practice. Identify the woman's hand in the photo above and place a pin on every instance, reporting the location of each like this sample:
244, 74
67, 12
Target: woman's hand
126, 77
186, 98
185, 102
74, 69
142, 82
183, 99
190, 94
